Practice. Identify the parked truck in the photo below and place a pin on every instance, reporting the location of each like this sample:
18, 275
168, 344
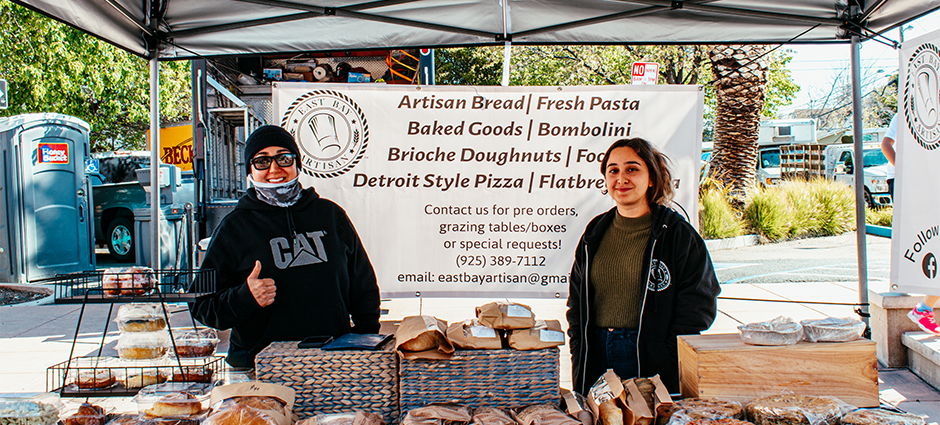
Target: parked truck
771, 136
116, 193
836, 162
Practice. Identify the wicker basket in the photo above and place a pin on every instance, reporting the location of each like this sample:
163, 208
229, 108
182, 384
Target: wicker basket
498, 378
334, 381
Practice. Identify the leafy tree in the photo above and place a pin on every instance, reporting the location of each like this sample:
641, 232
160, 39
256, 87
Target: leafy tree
51, 67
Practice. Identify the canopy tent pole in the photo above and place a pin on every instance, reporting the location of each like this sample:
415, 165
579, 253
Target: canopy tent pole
859, 181
154, 164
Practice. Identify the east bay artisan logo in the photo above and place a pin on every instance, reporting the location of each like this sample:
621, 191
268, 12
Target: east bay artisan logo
922, 96
331, 130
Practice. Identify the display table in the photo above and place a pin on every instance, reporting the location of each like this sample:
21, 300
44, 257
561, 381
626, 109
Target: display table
723, 366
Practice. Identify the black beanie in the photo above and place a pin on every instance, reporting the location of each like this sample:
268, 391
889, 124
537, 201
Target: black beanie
267, 136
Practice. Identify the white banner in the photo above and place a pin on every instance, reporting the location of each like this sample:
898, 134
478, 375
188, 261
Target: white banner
915, 234
480, 191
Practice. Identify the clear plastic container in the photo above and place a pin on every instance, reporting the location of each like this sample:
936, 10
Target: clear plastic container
832, 329
86, 414
29, 409
194, 343
140, 317
779, 331
129, 281
143, 345
197, 374
93, 373
173, 400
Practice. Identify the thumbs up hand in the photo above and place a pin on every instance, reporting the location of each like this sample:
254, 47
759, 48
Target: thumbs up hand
262, 289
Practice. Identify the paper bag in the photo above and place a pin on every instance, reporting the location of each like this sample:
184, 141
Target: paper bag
506, 315
423, 337
639, 409
545, 334
261, 389
607, 401
576, 406
471, 334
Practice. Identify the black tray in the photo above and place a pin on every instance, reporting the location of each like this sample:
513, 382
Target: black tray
170, 286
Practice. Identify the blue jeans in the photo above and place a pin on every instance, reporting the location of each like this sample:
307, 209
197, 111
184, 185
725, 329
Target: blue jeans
610, 348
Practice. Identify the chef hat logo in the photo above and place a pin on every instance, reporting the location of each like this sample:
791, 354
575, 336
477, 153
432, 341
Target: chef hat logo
323, 126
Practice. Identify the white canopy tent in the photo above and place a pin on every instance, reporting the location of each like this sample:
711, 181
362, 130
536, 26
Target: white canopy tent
186, 29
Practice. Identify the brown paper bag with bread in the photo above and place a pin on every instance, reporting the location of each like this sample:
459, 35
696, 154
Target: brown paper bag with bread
280, 412
506, 315
472, 335
545, 334
423, 337
576, 406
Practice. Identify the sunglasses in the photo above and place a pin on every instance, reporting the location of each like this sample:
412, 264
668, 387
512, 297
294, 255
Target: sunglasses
283, 160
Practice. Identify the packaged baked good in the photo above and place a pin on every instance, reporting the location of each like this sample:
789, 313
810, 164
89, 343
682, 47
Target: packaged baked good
438, 414
257, 403
330, 419
110, 283
140, 317
143, 377
138, 281
422, 333
487, 415
791, 409
94, 378
832, 329
199, 374
239, 414
779, 331
544, 334
544, 414
880, 417
191, 343
725, 421
699, 408
577, 407
127, 419
506, 315
143, 345
29, 409
472, 335
172, 400
86, 414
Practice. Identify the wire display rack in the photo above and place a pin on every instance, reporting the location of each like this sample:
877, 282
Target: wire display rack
136, 285
128, 376
165, 286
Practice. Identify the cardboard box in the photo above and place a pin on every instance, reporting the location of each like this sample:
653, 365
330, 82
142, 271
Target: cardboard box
725, 367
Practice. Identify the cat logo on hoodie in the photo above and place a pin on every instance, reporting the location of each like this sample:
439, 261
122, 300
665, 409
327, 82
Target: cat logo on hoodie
659, 276
306, 249
331, 131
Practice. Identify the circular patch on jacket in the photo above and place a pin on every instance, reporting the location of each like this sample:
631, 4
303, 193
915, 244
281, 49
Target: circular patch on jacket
659, 276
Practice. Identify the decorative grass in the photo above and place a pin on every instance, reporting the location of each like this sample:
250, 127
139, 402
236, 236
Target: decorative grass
880, 216
717, 218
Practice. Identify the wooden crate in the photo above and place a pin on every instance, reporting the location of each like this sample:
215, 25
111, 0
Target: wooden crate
723, 366
334, 381
499, 378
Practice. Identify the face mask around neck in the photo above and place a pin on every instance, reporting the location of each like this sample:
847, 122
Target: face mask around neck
278, 194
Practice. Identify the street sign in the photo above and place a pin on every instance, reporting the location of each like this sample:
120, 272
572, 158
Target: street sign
645, 73
3, 94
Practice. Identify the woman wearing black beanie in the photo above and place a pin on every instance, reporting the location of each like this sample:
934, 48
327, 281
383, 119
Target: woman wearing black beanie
288, 263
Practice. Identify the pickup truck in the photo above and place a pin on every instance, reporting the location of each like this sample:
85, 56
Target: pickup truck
840, 167
116, 194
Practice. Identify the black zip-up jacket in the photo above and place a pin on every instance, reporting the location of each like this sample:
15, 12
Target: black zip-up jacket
320, 269
680, 298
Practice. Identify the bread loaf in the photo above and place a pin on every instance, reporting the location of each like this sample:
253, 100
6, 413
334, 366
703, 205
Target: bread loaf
793, 410
699, 408
880, 417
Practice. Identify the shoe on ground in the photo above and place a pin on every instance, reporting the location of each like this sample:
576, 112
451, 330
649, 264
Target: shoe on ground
924, 320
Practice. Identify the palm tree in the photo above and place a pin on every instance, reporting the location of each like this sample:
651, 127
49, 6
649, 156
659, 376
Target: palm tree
740, 72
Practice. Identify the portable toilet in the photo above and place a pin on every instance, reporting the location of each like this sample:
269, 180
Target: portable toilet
45, 199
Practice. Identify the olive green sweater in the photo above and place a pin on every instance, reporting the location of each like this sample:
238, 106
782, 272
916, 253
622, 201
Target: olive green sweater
617, 274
